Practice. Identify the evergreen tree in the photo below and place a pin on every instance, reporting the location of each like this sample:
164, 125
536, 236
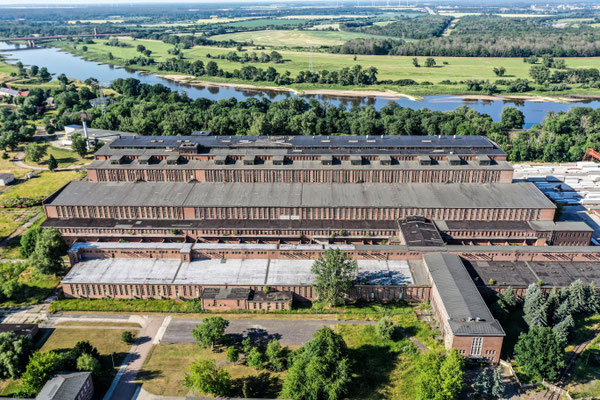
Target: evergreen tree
563, 328
535, 307
578, 297
52, 163
563, 311
593, 300
483, 383
540, 353
552, 304
498, 385
508, 297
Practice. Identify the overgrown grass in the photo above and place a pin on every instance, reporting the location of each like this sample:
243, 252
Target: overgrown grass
164, 371
35, 288
41, 185
11, 248
132, 305
382, 369
13, 218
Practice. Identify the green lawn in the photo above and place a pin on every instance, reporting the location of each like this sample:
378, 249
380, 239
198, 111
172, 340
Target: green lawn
12, 218
11, 249
65, 158
584, 381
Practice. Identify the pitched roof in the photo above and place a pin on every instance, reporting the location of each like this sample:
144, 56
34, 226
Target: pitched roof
64, 386
468, 314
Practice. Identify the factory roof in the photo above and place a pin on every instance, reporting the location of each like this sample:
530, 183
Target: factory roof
227, 271
468, 315
205, 194
318, 144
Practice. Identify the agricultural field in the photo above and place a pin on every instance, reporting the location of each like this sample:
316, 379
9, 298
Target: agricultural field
264, 22
294, 38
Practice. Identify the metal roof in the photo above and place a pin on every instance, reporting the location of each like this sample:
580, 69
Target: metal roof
202, 194
64, 386
318, 144
468, 314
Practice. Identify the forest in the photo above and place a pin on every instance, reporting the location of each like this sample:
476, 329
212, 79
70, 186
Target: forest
420, 27
156, 110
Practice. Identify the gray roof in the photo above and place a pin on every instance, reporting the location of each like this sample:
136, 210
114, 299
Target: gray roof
64, 386
203, 194
342, 144
468, 314
6, 175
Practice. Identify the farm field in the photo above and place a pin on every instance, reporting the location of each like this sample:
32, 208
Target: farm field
255, 23
294, 38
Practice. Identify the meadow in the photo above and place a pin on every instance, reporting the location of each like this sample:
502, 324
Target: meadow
294, 38
453, 69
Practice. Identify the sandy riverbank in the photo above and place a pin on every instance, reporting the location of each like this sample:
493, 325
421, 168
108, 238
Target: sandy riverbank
186, 79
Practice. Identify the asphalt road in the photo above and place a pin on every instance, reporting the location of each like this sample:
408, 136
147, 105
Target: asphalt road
289, 332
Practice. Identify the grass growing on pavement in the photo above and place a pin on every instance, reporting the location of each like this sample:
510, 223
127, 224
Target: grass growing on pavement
11, 248
13, 218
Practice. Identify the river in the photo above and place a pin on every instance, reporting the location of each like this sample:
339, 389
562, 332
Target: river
58, 62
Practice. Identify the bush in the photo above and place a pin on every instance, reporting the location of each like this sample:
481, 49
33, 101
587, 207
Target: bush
127, 337
86, 362
255, 359
385, 328
233, 354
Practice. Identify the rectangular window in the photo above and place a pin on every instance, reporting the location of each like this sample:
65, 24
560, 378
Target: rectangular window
476, 346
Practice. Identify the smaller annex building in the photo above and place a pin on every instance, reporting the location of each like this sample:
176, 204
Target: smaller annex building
465, 320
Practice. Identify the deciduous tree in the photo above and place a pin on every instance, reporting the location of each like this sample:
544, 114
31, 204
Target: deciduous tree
204, 376
540, 353
48, 252
210, 332
334, 273
14, 353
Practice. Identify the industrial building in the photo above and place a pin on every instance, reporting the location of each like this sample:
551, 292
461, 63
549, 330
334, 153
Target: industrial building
238, 222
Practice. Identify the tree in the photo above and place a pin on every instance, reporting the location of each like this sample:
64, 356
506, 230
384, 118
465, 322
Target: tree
255, 359
204, 376
385, 328
508, 297
87, 362
276, 356
539, 73
430, 62
563, 329
415, 62
499, 71
39, 369
540, 353
212, 69
534, 307
62, 78
79, 144
110, 56
44, 74
52, 163
140, 48
577, 297
34, 152
483, 383
127, 337
334, 272
498, 387
451, 375
14, 353
210, 332
84, 48
320, 370
233, 354
48, 252
28, 241
512, 118
34, 70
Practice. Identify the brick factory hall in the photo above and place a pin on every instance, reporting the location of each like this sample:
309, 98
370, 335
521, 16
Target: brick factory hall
224, 218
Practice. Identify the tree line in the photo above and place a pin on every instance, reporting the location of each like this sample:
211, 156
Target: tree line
420, 27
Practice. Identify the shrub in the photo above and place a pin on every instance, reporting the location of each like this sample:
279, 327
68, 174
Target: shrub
127, 337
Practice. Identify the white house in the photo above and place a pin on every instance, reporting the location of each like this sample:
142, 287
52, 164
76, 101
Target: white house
6, 178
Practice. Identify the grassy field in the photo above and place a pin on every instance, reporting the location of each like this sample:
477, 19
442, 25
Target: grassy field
584, 381
42, 184
455, 69
65, 158
382, 369
294, 38
255, 23
12, 218
107, 341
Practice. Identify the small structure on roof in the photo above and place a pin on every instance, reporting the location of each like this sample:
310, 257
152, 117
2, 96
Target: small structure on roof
29, 330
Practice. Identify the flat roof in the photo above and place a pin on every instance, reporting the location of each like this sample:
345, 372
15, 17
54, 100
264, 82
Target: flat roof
206, 194
230, 271
468, 314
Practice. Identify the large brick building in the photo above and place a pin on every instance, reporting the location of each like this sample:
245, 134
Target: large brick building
238, 221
